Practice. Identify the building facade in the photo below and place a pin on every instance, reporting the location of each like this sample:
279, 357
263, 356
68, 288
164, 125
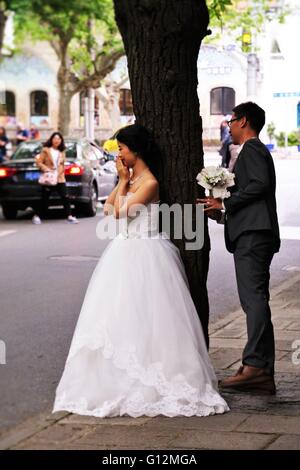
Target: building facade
269, 75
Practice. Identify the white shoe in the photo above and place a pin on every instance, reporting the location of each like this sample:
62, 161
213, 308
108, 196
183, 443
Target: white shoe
36, 220
72, 220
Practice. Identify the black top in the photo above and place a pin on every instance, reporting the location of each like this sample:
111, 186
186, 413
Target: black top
4, 139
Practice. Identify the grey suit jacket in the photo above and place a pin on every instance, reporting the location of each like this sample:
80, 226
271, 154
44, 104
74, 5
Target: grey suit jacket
252, 204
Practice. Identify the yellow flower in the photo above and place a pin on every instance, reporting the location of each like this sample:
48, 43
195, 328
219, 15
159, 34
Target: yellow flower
111, 145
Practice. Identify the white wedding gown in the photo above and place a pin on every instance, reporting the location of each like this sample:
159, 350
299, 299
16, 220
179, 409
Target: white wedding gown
138, 347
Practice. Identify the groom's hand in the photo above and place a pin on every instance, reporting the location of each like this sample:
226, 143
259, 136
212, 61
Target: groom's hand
211, 204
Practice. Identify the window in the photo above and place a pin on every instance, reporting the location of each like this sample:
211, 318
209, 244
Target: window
7, 104
125, 102
88, 152
222, 100
82, 96
27, 152
39, 103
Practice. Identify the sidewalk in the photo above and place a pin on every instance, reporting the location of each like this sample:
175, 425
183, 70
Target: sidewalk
254, 422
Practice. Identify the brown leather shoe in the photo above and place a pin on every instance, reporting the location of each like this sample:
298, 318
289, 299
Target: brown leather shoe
250, 379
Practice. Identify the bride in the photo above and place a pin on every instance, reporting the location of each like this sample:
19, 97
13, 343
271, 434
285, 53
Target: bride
138, 347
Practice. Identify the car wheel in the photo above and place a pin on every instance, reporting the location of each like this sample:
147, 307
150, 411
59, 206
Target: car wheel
9, 212
90, 209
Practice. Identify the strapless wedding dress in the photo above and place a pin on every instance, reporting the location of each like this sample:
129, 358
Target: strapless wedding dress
138, 347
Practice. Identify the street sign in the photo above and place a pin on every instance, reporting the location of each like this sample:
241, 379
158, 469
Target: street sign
287, 94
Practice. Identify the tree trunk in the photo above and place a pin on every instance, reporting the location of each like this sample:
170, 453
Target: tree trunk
64, 111
65, 88
162, 40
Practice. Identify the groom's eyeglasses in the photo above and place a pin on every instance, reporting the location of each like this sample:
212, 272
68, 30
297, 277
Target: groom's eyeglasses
232, 120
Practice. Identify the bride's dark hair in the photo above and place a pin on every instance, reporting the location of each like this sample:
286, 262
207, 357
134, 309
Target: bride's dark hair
138, 139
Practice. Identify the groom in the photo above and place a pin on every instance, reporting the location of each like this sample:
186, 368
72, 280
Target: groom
252, 235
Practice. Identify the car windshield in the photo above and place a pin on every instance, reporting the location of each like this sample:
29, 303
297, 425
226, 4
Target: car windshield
71, 151
29, 150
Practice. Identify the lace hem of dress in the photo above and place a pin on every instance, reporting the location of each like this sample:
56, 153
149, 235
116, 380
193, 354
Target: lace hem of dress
136, 408
176, 397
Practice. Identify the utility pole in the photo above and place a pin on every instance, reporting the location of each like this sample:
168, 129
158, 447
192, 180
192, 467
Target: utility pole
252, 63
91, 113
89, 105
86, 116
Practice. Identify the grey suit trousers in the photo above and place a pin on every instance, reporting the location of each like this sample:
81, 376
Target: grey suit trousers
253, 254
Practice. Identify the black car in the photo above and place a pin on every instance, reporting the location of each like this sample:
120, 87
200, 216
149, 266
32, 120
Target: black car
88, 178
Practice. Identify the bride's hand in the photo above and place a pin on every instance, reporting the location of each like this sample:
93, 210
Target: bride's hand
122, 170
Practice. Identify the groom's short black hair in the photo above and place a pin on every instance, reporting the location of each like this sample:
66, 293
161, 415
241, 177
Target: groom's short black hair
254, 114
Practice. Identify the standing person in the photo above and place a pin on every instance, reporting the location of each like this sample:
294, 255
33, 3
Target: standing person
225, 142
138, 347
22, 134
34, 133
234, 152
252, 235
52, 158
224, 131
3, 143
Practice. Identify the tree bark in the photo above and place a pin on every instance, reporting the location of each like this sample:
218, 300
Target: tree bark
65, 88
64, 111
162, 39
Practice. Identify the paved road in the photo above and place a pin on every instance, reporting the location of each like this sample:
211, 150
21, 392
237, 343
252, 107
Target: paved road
44, 274
41, 294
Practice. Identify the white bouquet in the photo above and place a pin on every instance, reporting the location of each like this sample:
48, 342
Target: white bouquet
216, 179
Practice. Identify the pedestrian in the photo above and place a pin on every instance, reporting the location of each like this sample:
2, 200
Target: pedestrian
225, 142
224, 131
34, 133
52, 159
3, 144
252, 235
22, 134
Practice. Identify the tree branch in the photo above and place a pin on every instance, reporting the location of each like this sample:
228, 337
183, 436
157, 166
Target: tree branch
106, 65
55, 45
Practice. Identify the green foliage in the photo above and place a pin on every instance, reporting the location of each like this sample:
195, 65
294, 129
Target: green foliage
7, 6
236, 17
271, 130
83, 34
66, 21
217, 8
280, 138
79, 25
293, 138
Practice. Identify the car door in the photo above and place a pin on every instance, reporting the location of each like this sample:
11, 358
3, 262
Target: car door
108, 174
24, 183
